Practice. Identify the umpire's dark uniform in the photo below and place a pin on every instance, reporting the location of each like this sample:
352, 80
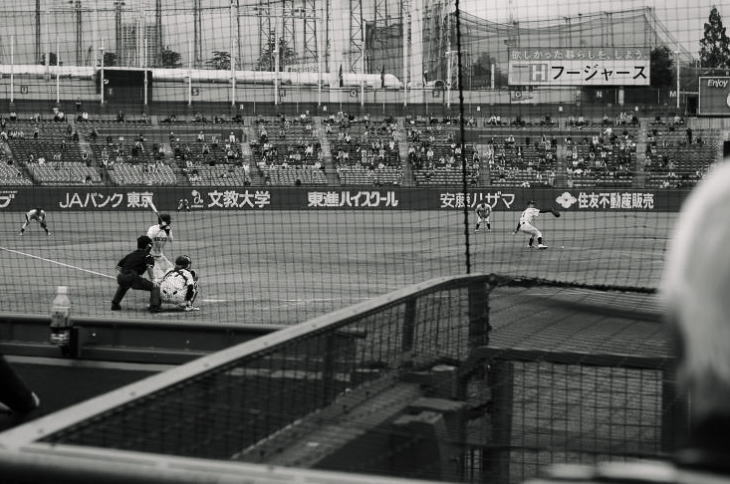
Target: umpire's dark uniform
131, 268
13, 391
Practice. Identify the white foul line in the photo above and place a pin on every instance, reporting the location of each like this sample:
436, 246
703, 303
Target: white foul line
56, 262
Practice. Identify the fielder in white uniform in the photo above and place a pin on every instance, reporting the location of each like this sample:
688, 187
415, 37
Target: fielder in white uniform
160, 234
37, 214
526, 224
483, 210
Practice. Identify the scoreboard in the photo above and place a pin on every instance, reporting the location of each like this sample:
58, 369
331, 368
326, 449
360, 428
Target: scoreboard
579, 66
714, 98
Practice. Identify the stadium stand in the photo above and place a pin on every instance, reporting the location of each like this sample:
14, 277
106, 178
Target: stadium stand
11, 176
365, 151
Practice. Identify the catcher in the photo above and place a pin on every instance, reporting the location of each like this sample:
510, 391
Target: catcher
525, 224
179, 286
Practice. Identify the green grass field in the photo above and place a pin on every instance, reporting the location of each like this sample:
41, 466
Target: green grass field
287, 266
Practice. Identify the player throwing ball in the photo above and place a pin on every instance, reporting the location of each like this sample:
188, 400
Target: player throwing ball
483, 210
160, 234
180, 285
37, 214
525, 224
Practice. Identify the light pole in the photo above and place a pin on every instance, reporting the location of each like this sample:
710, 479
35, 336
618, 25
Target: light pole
79, 33
118, 27
676, 59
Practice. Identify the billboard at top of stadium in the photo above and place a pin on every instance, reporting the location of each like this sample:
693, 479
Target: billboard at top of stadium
714, 98
579, 66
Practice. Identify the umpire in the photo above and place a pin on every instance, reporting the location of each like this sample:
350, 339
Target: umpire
131, 268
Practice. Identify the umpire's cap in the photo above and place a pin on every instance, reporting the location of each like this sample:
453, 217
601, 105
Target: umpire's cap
143, 241
164, 217
531, 202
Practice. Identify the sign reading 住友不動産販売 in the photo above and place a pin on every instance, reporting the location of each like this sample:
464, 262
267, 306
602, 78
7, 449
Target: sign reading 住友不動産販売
714, 98
580, 66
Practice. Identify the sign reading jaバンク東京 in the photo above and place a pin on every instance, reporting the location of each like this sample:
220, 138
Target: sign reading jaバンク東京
579, 66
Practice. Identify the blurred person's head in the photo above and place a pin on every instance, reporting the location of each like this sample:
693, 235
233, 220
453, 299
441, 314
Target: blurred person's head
695, 289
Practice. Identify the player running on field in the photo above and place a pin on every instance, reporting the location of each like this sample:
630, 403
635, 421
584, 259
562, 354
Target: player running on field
37, 214
160, 234
483, 211
526, 224
180, 285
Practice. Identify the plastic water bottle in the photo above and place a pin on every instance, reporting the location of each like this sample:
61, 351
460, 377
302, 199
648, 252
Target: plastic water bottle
60, 311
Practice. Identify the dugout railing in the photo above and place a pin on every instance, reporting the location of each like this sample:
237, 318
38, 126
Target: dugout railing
247, 402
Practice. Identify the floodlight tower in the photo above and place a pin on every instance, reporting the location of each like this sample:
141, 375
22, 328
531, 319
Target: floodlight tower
357, 37
309, 9
266, 35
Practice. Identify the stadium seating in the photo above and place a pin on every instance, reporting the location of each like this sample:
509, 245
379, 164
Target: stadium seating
674, 160
64, 173
219, 175
145, 174
359, 175
10, 175
294, 175
508, 151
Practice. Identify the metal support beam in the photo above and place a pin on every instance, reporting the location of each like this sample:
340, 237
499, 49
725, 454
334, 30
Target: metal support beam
197, 34
377, 37
79, 34
288, 27
38, 51
266, 34
158, 33
356, 48
310, 53
118, 27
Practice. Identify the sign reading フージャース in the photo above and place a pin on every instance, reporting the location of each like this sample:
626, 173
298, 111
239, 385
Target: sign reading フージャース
714, 96
579, 66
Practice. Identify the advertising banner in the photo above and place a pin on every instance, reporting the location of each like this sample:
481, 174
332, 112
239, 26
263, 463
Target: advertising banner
714, 98
245, 199
579, 66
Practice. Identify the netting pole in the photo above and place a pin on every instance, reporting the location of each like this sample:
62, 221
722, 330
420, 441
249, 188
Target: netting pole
467, 248
406, 23
101, 75
190, 71
58, 77
231, 56
12, 69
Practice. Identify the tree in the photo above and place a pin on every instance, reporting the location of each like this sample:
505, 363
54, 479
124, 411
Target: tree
482, 73
267, 61
715, 45
170, 58
110, 59
662, 67
221, 60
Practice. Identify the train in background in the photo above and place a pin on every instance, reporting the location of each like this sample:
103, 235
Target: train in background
330, 79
